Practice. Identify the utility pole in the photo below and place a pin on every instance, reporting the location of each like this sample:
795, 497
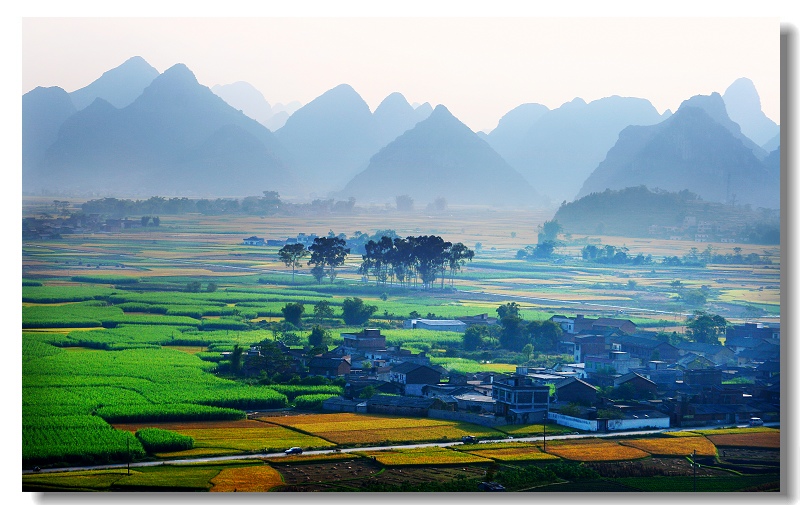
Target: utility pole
694, 471
544, 428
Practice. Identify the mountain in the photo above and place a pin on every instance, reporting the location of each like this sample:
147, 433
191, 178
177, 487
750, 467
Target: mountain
394, 116
689, 151
639, 212
441, 157
512, 128
44, 110
331, 138
422, 110
744, 107
243, 96
177, 138
772, 144
715, 107
119, 86
557, 152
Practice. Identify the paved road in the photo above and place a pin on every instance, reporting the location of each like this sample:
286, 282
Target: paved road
361, 449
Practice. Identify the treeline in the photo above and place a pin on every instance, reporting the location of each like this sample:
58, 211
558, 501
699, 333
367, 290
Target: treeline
613, 255
696, 258
406, 260
391, 260
267, 204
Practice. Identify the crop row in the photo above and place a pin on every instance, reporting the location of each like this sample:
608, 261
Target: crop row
425, 456
77, 445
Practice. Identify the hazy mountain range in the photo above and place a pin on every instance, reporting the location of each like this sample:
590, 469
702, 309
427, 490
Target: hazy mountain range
442, 157
135, 132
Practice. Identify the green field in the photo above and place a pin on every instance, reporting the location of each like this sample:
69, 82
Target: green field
106, 318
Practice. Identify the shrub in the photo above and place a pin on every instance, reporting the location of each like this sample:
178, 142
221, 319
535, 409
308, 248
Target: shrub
157, 440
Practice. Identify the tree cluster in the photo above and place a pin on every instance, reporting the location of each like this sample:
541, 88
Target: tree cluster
424, 258
610, 254
706, 328
515, 334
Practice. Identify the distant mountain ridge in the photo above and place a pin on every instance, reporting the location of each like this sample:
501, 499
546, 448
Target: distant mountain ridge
176, 138
744, 107
119, 86
557, 150
134, 131
689, 151
441, 157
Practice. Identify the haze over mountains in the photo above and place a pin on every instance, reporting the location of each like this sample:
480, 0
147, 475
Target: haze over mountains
442, 157
699, 147
135, 132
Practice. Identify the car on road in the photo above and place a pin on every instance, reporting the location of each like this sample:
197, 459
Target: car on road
756, 421
469, 439
293, 450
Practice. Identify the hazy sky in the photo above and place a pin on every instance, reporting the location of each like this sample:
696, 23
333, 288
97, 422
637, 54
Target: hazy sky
479, 67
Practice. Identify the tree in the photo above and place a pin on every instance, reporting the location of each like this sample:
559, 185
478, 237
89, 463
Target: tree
145, 220
211, 287
292, 312
508, 309
328, 252
472, 339
404, 203
156, 220
323, 310
528, 352
236, 359
291, 256
356, 312
319, 337
318, 272
549, 231
457, 256
193, 286
367, 393
545, 335
706, 328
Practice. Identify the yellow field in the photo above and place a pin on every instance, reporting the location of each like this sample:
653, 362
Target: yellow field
313, 423
252, 479
348, 428
305, 458
424, 456
529, 453
594, 450
762, 440
682, 434
676, 446
235, 436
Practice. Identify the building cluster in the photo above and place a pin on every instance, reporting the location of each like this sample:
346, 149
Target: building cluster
620, 378
44, 228
692, 228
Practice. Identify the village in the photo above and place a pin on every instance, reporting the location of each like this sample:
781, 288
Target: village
620, 379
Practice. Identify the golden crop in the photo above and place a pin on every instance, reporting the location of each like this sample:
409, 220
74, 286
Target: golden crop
530, 453
676, 446
763, 440
348, 428
253, 479
424, 456
594, 450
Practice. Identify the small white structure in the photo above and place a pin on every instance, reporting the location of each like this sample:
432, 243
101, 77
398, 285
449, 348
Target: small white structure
633, 421
435, 324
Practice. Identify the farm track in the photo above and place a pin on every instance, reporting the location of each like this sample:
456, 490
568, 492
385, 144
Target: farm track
212, 459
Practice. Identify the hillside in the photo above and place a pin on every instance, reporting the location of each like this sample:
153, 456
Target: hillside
441, 157
177, 138
640, 212
689, 151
